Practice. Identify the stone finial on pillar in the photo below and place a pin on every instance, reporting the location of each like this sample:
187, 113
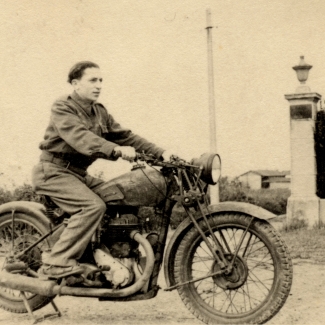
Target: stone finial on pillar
302, 70
303, 202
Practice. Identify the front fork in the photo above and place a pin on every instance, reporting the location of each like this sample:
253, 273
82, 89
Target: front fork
217, 250
196, 196
223, 262
193, 198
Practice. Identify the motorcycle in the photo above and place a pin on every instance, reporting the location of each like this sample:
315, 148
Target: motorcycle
227, 262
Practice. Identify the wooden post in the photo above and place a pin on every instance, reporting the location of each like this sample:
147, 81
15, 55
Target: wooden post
214, 190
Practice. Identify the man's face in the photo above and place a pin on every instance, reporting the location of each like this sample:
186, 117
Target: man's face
88, 87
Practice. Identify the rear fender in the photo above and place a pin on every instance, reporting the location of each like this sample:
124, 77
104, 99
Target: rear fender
34, 209
183, 228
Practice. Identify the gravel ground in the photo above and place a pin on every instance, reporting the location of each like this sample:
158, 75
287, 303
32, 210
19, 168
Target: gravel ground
305, 305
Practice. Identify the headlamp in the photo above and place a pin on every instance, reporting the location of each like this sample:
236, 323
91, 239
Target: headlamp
211, 167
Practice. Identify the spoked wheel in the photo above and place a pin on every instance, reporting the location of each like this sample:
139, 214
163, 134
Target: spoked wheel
255, 289
15, 237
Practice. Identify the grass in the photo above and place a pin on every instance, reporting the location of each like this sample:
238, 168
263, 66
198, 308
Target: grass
304, 243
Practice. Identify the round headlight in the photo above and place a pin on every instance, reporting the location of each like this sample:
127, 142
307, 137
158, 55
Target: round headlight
211, 167
216, 169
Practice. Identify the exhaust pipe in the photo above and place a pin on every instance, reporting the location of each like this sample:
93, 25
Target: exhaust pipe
51, 288
22, 283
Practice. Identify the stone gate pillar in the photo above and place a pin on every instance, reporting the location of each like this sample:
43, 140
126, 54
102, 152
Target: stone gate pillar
303, 202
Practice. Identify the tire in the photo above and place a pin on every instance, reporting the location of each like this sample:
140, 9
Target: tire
27, 230
254, 292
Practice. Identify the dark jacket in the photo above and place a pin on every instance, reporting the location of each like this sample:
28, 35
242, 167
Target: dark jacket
82, 131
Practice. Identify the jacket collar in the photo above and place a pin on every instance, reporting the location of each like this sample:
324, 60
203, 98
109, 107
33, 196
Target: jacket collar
86, 105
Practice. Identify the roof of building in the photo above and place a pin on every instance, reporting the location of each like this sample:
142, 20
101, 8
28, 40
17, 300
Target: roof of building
268, 173
277, 179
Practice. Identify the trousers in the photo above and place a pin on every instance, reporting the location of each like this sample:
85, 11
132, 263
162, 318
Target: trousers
75, 195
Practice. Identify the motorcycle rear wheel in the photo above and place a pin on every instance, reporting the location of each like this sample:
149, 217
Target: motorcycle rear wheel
26, 231
258, 287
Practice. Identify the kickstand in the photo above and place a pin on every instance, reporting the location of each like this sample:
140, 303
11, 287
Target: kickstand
57, 312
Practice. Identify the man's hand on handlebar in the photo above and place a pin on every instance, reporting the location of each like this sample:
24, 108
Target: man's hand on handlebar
168, 155
125, 152
129, 153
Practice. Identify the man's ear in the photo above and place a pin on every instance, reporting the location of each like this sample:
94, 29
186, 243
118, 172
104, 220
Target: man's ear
75, 84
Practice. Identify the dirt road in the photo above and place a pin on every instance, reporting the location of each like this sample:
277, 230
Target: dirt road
305, 305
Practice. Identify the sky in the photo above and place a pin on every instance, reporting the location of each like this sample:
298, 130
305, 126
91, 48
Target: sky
153, 57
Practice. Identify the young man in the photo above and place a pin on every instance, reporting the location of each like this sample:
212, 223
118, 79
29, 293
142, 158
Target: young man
80, 131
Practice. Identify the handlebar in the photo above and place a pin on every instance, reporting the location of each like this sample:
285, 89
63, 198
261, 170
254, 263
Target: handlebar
153, 160
150, 159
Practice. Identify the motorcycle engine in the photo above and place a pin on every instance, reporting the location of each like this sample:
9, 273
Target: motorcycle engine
118, 255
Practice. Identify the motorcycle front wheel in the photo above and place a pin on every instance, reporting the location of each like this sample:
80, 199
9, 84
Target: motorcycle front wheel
15, 237
257, 287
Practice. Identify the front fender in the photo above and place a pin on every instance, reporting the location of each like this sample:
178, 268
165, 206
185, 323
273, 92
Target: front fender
34, 209
181, 230
243, 207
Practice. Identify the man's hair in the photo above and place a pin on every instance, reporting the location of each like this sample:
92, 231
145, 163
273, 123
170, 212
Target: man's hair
78, 69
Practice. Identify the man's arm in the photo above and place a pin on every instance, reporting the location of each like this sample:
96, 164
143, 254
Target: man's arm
125, 137
75, 133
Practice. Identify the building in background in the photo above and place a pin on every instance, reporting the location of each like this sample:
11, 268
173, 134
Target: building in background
256, 179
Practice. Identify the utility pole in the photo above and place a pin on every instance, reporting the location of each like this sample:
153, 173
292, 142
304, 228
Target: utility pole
214, 189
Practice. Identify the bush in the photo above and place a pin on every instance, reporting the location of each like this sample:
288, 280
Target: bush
5, 196
232, 190
25, 193
20, 193
274, 200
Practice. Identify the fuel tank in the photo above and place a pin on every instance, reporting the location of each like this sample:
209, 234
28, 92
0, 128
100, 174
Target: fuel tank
143, 186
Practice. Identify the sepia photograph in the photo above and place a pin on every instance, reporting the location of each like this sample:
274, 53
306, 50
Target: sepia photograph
162, 162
